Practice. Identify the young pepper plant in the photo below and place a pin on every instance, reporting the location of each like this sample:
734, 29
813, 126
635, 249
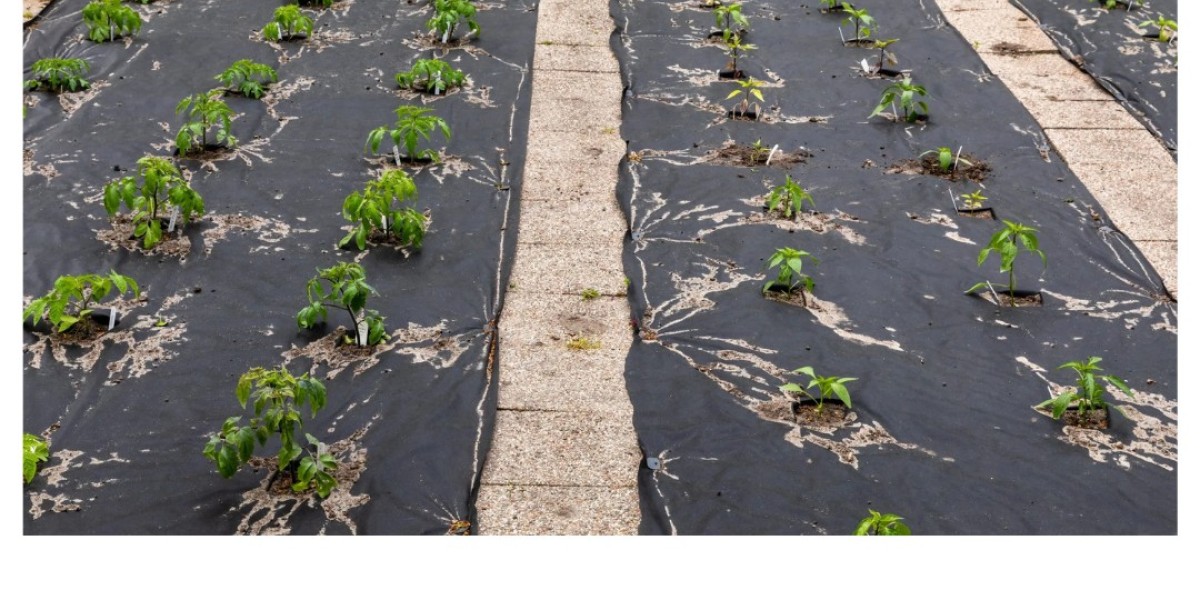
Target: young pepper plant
1088, 391
885, 57
974, 200
789, 198
205, 110
347, 290
70, 301
948, 159
735, 48
278, 398
34, 451
1004, 243
58, 75
431, 75
288, 23
162, 186
827, 387
727, 16
747, 88
448, 13
863, 21
791, 277
247, 78
108, 20
375, 208
412, 123
1167, 28
882, 524
906, 92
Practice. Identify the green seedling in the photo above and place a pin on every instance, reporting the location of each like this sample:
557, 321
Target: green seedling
278, 398
1110, 4
108, 20
1004, 243
827, 387
735, 48
747, 88
790, 277
831, 4
583, 343
162, 189
906, 92
323, 3
730, 15
247, 78
288, 23
948, 159
35, 450
431, 75
1167, 28
72, 297
347, 290
884, 55
789, 198
446, 16
412, 123
382, 206
863, 21
205, 111
882, 524
591, 294
58, 75
1088, 391
759, 153
974, 200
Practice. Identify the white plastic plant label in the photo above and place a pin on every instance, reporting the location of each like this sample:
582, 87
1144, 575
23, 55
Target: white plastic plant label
362, 333
174, 217
112, 318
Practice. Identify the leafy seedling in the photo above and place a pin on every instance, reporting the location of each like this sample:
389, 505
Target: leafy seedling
1089, 389
791, 277
323, 3
735, 49
1110, 4
1167, 28
788, 198
382, 207
431, 75
35, 450
247, 78
591, 294
288, 23
747, 88
974, 200
205, 111
108, 20
831, 5
72, 297
948, 159
759, 153
447, 14
863, 21
162, 188
882, 524
58, 75
583, 343
1004, 243
347, 290
906, 92
730, 15
827, 387
278, 398
412, 123
884, 55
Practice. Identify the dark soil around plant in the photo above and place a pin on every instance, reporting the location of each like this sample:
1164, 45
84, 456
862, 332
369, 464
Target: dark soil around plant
742, 155
978, 171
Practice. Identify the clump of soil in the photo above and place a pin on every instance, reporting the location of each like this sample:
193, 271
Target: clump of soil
797, 297
1020, 299
83, 332
206, 152
805, 412
741, 155
174, 244
1010, 48
929, 165
1092, 419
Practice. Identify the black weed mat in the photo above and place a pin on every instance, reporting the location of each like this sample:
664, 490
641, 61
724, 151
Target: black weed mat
129, 414
1125, 58
942, 429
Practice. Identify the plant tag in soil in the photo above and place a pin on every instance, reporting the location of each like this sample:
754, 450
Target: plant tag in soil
362, 333
112, 318
865, 67
174, 217
652, 463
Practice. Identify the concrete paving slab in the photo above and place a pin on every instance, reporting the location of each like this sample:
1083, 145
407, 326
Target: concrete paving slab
542, 222
1025, 38
578, 85
1142, 208
1160, 253
550, 323
561, 448
557, 510
1079, 114
1106, 147
567, 268
561, 57
573, 24
582, 115
527, 384
949, 6
1045, 75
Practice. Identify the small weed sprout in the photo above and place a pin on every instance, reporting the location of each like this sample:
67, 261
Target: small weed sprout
162, 186
906, 92
863, 21
727, 16
827, 387
1110, 4
948, 159
788, 198
108, 20
412, 123
448, 13
1088, 391
974, 200
759, 153
1004, 243
247, 78
882, 524
1167, 28
204, 111
790, 277
278, 398
58, 75
288, 23
34, 450
348, 290
591, 294
431, 75
747, 88
70, 301
381, 206
583, 343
